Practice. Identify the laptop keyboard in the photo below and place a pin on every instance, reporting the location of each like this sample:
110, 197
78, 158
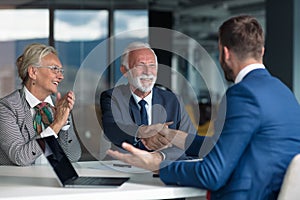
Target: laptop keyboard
89, 180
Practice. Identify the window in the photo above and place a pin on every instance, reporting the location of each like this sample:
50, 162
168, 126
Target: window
18, 29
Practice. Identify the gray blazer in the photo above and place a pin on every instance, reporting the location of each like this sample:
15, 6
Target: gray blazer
17, 135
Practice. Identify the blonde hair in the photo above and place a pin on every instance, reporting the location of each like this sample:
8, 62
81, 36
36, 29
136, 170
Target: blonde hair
32, 55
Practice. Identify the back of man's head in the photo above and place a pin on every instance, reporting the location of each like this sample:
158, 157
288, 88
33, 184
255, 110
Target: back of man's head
244, 35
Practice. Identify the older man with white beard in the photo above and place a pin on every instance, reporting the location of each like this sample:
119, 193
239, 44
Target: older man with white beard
126, 119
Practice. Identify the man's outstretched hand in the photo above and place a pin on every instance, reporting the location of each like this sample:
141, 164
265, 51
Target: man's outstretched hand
139, 158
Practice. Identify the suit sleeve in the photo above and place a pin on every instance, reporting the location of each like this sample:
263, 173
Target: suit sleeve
242, 119
116, 129
16, 145
181, 121
69, 142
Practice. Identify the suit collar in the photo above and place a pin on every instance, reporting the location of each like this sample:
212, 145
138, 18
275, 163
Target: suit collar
133, 108
159, 113
156, 97
257, 72
28, 121
24, 103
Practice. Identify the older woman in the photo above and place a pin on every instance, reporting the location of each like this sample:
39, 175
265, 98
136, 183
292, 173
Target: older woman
30, 112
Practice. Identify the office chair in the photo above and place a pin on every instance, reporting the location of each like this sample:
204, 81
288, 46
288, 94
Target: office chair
290, 188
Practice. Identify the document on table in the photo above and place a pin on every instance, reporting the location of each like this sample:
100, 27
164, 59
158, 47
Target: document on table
113, 165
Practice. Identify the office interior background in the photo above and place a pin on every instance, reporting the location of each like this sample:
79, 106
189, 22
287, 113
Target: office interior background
90, 36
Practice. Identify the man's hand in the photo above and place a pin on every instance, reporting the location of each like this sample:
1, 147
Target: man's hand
176, 137
138, 158
156, 142
151, 138
150, 130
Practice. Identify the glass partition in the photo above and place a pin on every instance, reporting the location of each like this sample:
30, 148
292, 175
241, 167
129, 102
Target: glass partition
76, 34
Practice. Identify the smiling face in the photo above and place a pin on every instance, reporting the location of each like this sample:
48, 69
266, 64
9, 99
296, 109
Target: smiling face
45, 80
142, 71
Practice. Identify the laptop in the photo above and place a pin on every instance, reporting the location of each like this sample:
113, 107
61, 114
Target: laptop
66, 174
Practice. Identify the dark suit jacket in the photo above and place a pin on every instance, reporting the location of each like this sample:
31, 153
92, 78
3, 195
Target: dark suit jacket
121, 116
17, 135
261, 134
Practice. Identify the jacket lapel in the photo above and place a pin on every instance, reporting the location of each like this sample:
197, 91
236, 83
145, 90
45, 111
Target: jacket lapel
28, 120
159, 114
133, 108
134, 111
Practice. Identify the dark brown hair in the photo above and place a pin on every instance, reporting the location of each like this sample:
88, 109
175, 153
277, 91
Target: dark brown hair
243, 35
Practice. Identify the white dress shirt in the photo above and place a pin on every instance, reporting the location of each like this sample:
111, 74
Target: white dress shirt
33, 101
246, 70
148, 106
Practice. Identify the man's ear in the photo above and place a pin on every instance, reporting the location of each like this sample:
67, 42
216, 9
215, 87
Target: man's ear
262, 51
124, 70
226, 53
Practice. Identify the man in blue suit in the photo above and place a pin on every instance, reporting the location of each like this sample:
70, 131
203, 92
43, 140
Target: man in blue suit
257, 140
121, 110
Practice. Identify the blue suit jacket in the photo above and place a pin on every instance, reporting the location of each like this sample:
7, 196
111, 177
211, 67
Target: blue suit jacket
260, 136
121, 116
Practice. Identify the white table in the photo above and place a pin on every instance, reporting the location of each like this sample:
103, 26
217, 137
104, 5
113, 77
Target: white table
39, 182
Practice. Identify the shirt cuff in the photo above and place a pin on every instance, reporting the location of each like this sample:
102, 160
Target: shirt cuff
48, 132
136, 138
66, 126
163, 155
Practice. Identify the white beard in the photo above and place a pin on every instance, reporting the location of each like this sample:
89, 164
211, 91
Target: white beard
136, 82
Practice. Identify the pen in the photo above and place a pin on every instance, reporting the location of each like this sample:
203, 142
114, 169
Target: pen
121, 165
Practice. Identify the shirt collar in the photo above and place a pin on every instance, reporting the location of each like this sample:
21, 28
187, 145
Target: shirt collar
246, 70
33, 101
148, 98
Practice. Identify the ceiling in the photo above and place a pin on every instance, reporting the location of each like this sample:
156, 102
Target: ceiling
198, 19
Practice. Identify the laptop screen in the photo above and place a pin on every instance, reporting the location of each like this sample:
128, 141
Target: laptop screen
57, 159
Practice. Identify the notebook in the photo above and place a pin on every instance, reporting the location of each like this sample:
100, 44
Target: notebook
66, 174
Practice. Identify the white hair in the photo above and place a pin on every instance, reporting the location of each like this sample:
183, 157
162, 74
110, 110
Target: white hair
134, 46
